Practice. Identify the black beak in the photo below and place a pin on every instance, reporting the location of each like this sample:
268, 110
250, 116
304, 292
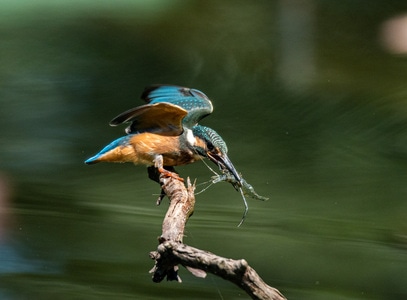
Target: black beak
224, 163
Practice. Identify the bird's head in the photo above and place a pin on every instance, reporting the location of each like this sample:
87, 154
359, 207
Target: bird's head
209, 144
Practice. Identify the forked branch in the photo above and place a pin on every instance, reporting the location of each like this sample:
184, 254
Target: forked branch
172, 252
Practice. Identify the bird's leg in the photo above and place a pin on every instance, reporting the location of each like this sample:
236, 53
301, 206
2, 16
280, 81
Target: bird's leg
158, 163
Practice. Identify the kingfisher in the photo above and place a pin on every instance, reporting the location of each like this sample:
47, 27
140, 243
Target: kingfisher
165, 133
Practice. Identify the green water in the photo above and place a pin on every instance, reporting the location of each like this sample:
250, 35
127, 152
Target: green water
313, 109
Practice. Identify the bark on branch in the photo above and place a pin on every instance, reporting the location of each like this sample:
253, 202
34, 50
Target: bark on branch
172, 252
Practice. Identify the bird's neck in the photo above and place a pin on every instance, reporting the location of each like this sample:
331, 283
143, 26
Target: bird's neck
190, 141
188, 138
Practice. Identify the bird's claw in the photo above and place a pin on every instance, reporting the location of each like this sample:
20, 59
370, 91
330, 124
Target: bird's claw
159, 164
170, 174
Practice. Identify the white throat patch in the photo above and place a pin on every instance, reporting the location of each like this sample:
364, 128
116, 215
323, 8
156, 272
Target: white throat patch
190, 137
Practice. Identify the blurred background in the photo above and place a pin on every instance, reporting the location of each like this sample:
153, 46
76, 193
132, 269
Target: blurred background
311, 97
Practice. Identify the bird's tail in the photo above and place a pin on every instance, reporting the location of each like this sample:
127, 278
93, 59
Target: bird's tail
117, 151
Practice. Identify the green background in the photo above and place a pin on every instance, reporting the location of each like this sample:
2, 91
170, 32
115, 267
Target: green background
312, 105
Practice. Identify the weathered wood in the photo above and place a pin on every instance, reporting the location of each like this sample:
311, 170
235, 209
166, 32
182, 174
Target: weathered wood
181, 208
237, 271
172, 252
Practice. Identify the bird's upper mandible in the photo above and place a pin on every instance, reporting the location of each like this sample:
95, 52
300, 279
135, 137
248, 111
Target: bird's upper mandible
170, 109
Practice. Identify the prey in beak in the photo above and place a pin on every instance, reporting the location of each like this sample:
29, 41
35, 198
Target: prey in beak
227, 168
209, 144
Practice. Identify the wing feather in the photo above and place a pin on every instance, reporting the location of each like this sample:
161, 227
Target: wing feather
162, 118
194, 101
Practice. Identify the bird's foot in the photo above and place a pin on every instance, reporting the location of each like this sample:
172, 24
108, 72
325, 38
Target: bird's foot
159, 164
170, 174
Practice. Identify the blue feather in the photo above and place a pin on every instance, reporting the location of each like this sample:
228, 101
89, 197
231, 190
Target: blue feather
194, 101
122, 141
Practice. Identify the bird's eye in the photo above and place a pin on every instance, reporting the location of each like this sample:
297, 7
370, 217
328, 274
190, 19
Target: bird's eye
210, 146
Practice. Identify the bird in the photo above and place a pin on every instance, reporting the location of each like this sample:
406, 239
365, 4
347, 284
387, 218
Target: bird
165, 133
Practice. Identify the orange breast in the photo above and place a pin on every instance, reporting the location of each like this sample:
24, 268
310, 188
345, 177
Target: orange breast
147, 145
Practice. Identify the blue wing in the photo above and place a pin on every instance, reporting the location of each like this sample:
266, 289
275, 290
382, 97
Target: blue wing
195, 102
168, 111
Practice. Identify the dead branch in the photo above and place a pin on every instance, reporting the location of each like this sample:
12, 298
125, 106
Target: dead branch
172, 252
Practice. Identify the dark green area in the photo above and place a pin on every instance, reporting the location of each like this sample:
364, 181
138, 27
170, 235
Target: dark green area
313, 109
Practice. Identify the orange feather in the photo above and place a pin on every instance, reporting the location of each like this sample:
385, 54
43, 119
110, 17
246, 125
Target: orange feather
143, 148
